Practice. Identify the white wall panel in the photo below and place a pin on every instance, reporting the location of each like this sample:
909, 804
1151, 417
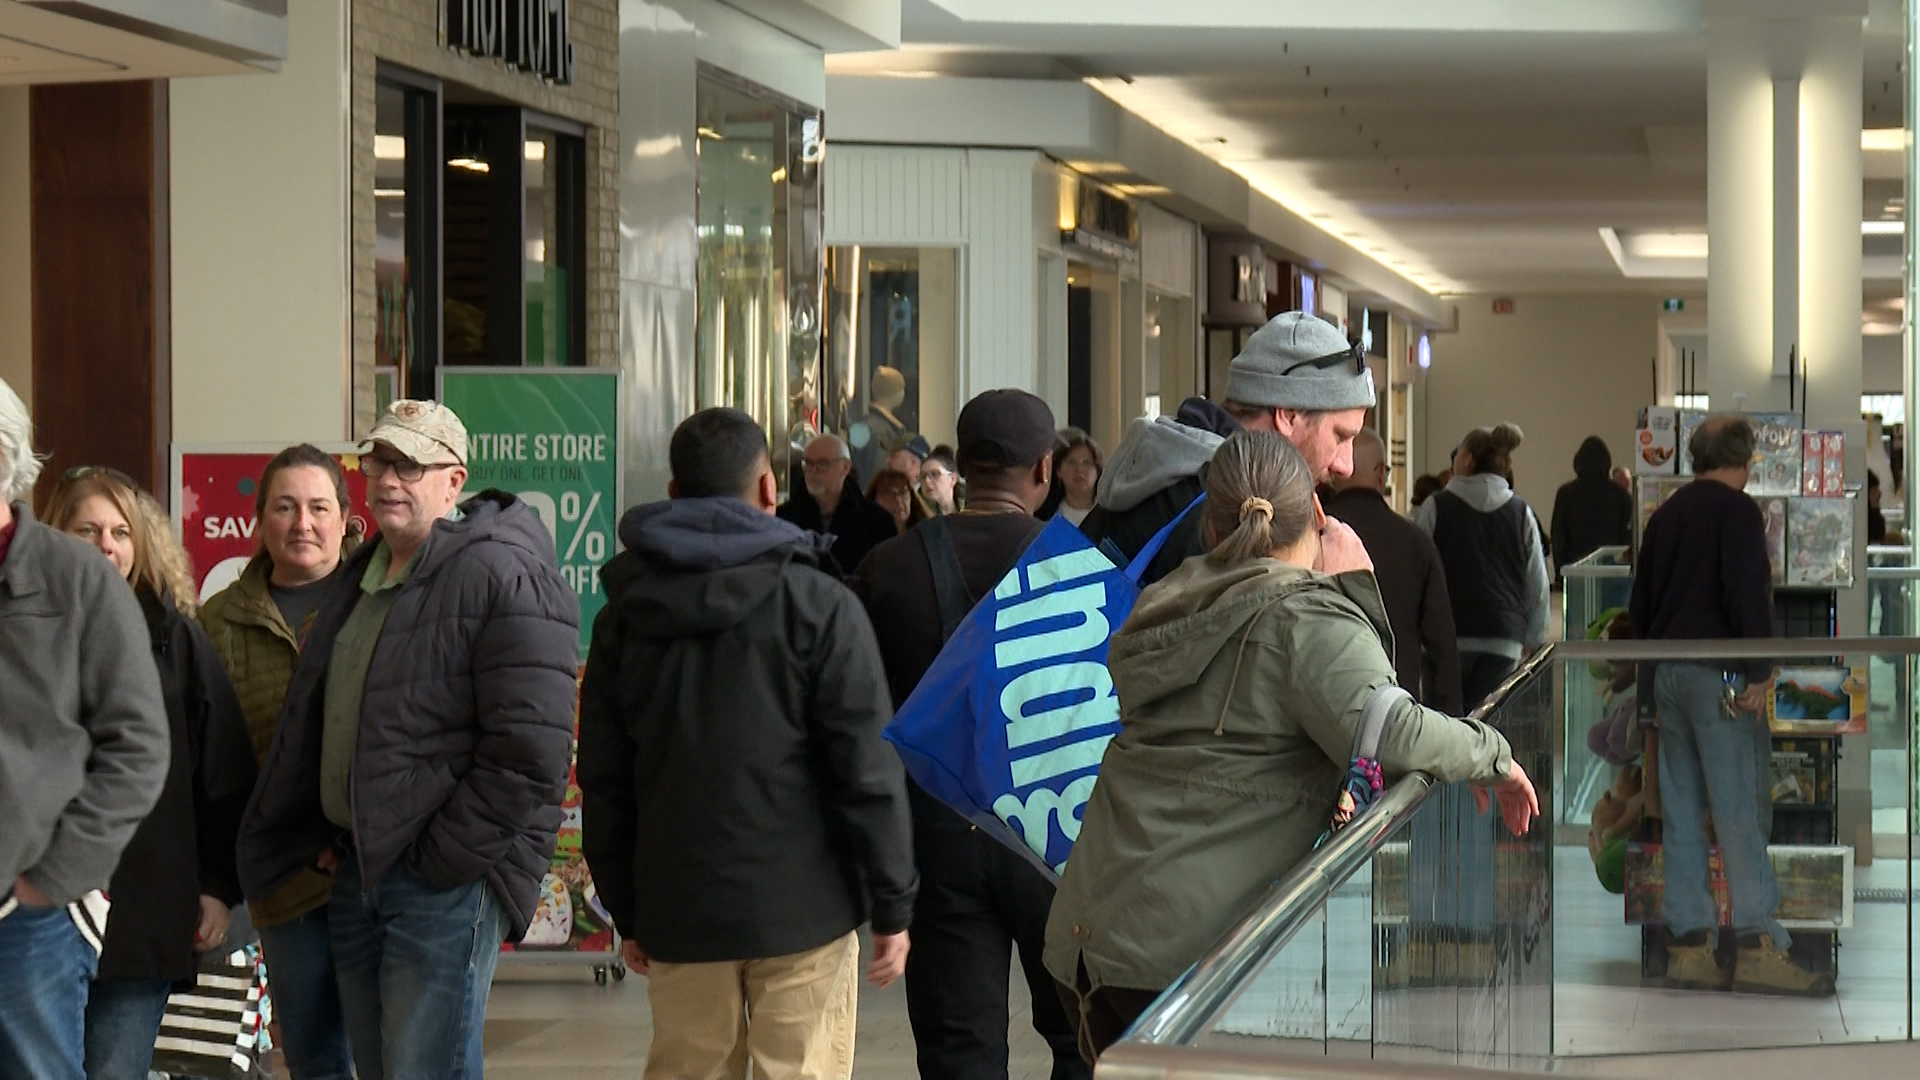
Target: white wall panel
1001, 266
1167, 245
896, 195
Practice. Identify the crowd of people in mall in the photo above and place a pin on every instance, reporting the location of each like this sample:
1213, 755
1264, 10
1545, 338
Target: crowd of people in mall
357, 751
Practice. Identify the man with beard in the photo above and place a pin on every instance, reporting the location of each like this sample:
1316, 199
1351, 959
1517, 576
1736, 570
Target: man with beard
831, 503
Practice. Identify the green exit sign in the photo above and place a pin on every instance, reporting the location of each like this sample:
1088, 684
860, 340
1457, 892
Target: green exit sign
1673, 303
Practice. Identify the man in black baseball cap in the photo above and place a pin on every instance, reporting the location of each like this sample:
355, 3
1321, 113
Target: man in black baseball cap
978, 899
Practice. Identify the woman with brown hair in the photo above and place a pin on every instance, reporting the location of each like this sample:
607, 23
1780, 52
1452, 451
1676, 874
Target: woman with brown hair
892, 491
1243, 677
1077, 463
258, 625
1491, 547
176, 880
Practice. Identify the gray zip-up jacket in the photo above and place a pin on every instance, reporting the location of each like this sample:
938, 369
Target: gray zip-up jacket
83, 730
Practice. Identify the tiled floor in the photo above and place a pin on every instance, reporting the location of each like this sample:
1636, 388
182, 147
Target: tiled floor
544, 1022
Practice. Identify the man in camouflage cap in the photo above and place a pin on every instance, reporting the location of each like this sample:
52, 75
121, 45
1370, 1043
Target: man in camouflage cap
424, 750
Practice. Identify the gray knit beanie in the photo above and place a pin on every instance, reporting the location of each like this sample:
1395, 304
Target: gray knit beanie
1277, 369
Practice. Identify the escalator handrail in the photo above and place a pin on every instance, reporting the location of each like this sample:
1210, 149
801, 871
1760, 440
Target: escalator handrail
1189, 1008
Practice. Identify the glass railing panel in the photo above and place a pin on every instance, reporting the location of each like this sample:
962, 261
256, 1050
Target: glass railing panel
1826, 791
1596, 588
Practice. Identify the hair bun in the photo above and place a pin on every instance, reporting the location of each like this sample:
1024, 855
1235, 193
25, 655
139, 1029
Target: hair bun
1508, 435
1254, 504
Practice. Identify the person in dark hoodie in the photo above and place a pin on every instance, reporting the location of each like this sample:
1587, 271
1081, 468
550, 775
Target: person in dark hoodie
730, 754
979, 899
1298, 376
423, 752
1590, 511
829, 502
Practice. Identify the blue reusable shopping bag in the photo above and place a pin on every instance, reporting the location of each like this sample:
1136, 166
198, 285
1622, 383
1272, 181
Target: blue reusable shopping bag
1008, 725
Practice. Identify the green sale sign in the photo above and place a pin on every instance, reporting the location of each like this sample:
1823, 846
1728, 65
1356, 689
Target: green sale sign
552, 437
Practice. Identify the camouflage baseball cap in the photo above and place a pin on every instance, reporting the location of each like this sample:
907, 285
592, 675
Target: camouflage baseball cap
426, 431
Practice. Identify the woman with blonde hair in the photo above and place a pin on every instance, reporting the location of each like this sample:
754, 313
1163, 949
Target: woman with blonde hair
1496, 564
1242, 676
176, 880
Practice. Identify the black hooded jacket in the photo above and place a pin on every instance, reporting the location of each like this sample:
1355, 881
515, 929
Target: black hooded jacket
466, 723
739, 801
1591, 511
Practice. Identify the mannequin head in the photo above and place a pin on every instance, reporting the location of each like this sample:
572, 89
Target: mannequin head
889, 388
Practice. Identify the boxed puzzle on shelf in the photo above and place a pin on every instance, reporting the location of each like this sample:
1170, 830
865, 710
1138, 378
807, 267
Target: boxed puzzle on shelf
1776, 454
1657, 443
1810, 699
1820, 542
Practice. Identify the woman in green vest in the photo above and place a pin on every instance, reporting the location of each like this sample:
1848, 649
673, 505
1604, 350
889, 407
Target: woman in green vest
258, 625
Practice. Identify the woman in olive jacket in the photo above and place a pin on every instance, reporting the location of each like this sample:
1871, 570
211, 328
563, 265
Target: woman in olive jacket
258, 625
1242, 678
176, 881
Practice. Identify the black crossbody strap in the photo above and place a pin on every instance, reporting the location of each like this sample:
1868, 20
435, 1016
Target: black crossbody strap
950, 594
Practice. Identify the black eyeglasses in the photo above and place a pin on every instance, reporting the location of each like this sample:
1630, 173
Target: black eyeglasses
81, 472
406, 469
1355, 353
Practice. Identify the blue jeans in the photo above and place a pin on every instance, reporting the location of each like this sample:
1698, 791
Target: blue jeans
1712, 761
306, 997
45, 968
123, 1020
415, 964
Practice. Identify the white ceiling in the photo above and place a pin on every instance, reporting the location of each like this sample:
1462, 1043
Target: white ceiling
43, 46
1469, 155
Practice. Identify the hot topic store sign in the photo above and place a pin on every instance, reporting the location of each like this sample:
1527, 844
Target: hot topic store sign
550, 436
214, 490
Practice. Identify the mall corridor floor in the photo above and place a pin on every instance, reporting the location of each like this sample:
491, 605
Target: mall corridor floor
544, 1022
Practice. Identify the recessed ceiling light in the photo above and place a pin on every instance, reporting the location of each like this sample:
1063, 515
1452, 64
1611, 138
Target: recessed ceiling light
1883, 139
1882, 228
390, 147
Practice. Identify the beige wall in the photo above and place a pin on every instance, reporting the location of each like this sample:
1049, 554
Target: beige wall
1562, 367
259, 236
16, 253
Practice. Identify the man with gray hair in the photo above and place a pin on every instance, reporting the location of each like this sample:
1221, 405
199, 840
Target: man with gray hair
1703, 573
1299, 376
830, 503
83, 755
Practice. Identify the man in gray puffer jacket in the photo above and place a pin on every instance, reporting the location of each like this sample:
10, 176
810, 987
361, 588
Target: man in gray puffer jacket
423, 753
83, 754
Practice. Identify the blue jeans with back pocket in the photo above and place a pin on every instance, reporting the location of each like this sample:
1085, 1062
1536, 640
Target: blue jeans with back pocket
45, 969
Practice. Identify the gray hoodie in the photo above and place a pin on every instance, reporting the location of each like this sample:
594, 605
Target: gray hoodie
1155, 452
83, 730
1486, 493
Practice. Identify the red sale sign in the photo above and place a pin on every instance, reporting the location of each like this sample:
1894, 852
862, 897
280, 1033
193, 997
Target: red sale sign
214, 492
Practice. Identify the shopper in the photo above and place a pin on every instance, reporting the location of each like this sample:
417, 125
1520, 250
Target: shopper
424, 749
1412, 582
892, 492
1703, 572
1424, 488
1229, 756
1490, 545
84, 747
1298, 375
979, 899
257, 625
937, 478
175, 884
742, 813
1076, 475
907, 456
830, 503
1590, 511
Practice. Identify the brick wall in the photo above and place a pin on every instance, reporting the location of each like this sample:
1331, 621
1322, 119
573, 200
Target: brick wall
409, 33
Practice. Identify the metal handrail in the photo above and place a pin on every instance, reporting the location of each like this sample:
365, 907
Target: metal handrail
1709, 651
1188, 1008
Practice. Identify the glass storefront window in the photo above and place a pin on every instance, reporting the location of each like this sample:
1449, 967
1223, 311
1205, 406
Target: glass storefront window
893, 331
550, 175
757, 341
406, 195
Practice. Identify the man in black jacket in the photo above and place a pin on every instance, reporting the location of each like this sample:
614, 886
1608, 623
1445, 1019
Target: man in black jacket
1703, 573
423, 752
1590, 511
829, 502
1412, 582
742, 813
978, 898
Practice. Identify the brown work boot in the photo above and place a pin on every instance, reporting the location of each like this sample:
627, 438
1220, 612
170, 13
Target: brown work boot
1691, 966
1763, 969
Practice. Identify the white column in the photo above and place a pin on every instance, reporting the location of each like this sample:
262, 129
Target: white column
1783, 207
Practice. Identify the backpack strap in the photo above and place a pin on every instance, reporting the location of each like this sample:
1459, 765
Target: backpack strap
950, 595
1374, 719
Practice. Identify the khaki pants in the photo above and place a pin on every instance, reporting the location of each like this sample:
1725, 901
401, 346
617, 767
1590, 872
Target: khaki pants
792, 1016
